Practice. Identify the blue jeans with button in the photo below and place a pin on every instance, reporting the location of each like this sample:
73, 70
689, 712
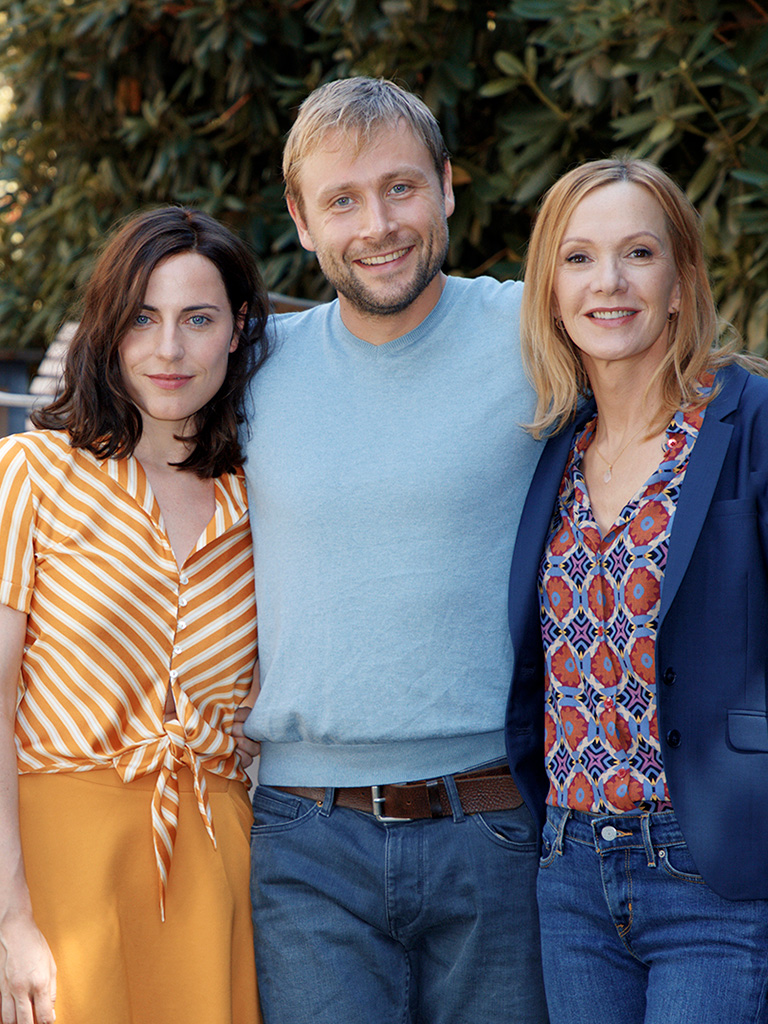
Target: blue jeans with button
359, 921
631, 933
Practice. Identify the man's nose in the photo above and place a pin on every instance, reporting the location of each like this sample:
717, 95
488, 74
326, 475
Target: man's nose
378, 218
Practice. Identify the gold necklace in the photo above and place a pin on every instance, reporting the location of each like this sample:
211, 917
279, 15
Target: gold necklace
609, 472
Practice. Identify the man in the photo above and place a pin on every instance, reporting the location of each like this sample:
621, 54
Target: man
393, 860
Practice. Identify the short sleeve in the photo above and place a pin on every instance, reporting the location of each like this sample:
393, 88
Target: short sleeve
17, 562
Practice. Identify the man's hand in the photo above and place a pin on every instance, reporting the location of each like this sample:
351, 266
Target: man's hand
247, 749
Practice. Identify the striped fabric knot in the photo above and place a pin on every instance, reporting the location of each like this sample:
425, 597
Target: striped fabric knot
165, 801
167, 755
186, 741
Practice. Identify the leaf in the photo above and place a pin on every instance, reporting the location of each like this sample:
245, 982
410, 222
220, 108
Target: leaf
698, 43
756, 157
539, 10
633, 124
587, 87
497, 87
539, 180
759, 178
509, 65
703, 178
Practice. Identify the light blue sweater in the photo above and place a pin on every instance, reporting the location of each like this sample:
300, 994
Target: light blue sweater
385, 486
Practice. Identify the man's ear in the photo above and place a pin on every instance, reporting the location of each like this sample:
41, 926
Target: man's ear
301, 225
448, 199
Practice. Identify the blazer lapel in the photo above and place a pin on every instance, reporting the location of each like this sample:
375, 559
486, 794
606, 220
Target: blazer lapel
701, 478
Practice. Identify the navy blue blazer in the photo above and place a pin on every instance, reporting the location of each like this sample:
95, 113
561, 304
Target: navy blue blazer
711, 646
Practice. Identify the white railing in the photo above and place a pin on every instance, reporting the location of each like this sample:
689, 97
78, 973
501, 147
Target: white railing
11, 401
43, 387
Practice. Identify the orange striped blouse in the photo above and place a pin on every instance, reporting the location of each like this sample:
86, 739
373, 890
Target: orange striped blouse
113, 622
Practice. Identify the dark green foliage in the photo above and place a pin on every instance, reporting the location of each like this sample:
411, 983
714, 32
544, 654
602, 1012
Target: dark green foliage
121, 104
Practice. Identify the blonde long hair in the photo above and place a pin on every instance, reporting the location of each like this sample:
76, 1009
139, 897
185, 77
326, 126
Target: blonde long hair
553, 362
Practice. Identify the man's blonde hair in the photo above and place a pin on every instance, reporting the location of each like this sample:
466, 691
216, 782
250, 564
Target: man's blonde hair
359, 108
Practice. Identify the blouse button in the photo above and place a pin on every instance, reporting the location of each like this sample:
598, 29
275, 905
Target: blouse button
184, 580
182, 624
669, 676
177, 649
674, 739
182, 602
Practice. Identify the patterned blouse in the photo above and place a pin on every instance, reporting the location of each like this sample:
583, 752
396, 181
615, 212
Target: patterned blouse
113, 623
600, 600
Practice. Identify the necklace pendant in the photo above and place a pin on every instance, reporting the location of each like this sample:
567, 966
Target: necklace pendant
607, 475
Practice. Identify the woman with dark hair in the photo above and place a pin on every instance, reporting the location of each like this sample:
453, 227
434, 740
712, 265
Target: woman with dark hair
636, 724
127, 643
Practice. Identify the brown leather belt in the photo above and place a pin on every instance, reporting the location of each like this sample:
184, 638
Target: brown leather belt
490, 789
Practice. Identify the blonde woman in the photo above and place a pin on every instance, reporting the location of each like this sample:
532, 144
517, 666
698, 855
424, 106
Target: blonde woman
636, 725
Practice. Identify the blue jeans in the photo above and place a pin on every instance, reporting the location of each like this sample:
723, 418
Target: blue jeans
358, 921
631, 933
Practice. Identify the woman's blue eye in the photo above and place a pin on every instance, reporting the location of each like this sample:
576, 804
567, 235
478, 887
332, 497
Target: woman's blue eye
198, 320
141, 320
399, 189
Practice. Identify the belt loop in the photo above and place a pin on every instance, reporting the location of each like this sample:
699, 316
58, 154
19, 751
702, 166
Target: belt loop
558, 845
433, 795
328, 800
645, 830
453, 798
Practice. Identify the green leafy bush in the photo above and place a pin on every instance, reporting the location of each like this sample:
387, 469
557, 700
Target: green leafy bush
123, 103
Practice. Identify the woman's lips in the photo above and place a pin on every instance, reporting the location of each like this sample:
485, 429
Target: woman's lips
169, 382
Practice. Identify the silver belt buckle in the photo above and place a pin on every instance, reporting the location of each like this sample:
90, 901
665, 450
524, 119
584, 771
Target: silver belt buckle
377, 801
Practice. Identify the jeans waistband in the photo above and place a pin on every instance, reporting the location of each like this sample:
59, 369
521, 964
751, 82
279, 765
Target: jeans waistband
606, 833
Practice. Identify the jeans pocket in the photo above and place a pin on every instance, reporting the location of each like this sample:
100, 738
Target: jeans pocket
548, 844
274, 811
514, 829
678, 863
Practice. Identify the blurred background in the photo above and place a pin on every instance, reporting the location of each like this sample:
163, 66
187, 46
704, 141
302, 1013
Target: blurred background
108, 106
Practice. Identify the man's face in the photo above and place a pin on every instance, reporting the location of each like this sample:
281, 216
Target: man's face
376, 218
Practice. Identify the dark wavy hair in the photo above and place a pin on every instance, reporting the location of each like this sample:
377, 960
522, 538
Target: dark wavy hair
93, 404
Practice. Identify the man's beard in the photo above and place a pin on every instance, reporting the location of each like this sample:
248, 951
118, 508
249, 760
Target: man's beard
365, 300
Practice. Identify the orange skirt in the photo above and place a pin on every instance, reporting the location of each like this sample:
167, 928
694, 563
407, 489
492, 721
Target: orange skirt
88, 855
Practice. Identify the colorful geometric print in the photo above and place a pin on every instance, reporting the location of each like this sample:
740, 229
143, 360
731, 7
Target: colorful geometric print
600, 600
